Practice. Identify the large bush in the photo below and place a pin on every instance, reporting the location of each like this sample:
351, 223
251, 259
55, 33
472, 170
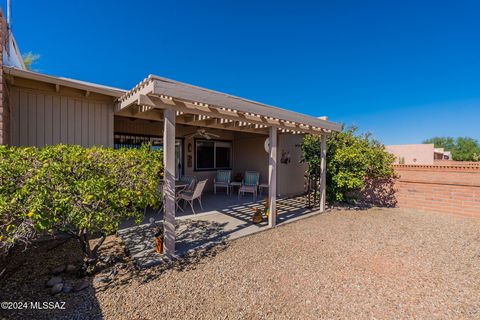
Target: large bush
353, 162
79, 191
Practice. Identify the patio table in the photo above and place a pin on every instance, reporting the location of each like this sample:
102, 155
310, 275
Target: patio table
263, 186
234, 184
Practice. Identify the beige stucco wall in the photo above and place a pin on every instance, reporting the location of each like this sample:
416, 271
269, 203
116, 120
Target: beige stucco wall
290, 176
248, 153
41, 116
412, 153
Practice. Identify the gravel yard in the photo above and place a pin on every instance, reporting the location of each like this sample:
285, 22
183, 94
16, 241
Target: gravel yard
377, 263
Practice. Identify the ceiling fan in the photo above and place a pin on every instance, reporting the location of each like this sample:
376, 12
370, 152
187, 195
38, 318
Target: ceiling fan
202, 133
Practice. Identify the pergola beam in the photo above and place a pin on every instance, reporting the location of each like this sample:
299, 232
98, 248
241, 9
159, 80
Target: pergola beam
221, 127
191, 108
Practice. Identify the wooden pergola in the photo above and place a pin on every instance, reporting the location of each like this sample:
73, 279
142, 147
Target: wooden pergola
157, 98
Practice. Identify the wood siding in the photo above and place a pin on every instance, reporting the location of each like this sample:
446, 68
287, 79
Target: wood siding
41, 118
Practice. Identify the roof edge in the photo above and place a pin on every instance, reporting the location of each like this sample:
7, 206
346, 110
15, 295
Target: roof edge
67, 82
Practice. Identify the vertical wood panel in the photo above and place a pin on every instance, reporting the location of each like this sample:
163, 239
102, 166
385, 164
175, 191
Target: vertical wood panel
63, 120
110, 126
23, 119
40, 120
57, 120
98, 124
15, 115
78, 122
91, 123
85, 124
71, 121
105, 134
48, 120
32, 119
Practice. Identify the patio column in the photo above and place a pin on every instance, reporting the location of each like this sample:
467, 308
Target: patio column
169, 177
272, 178
323, 170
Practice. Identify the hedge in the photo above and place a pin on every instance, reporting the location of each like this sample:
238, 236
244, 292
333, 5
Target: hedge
84, 192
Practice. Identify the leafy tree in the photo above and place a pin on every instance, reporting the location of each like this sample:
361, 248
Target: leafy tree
17, 166
462, 148
448, 143
352, 160
82, 192
466, 149
29, 59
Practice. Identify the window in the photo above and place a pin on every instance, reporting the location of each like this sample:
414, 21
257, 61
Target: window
212, 155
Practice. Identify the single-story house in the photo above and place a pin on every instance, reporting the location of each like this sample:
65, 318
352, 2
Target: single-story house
200, 130
419, 154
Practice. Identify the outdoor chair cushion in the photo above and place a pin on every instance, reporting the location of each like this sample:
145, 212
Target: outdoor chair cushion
189, 180
223, 177
251, 179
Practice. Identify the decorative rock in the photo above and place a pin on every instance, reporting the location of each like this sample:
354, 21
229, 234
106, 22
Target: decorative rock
58, 270
67, 287
103, 279
70, 268
57, 288
54, 281
81, 285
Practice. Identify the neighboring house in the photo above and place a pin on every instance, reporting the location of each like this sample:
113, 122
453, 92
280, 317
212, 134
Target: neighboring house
200, 130
424, 154
441, 154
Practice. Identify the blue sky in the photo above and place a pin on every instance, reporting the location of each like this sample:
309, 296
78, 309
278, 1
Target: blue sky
403, 70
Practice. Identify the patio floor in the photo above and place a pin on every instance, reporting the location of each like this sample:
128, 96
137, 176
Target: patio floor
223, 218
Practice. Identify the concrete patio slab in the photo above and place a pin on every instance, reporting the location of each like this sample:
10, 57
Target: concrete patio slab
223, 218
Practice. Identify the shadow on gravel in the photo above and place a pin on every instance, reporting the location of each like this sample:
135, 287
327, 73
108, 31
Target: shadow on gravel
196, 241
25, 278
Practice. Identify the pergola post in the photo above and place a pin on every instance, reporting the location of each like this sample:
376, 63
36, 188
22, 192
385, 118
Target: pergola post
169, 178
323, 171
272, 178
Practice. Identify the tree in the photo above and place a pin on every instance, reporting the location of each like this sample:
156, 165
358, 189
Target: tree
85, 193
29, 59
466, 149
462, 148
448, 143
352, 160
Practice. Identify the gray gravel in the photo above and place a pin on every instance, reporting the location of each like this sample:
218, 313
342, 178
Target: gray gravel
380, 263
377, 263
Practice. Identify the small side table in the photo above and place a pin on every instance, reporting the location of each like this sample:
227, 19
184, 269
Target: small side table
234, 184
263, 186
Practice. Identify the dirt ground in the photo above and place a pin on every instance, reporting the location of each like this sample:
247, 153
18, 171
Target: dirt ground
376, 263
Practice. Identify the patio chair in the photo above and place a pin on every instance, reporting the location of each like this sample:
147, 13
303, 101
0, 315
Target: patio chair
190, 180
222, 180
250, 184
190, 196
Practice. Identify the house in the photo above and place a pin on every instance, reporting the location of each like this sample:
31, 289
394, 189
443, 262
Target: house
420, 154
200, 130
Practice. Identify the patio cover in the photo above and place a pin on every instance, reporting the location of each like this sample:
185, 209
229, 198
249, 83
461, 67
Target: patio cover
203, 107
173, 102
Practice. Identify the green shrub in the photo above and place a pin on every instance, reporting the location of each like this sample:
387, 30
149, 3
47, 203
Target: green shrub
352, 159
79, 191
17, 166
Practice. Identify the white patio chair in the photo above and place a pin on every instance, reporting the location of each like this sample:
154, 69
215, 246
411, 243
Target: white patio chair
190, 180
190, 196
250, 184
222, 179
